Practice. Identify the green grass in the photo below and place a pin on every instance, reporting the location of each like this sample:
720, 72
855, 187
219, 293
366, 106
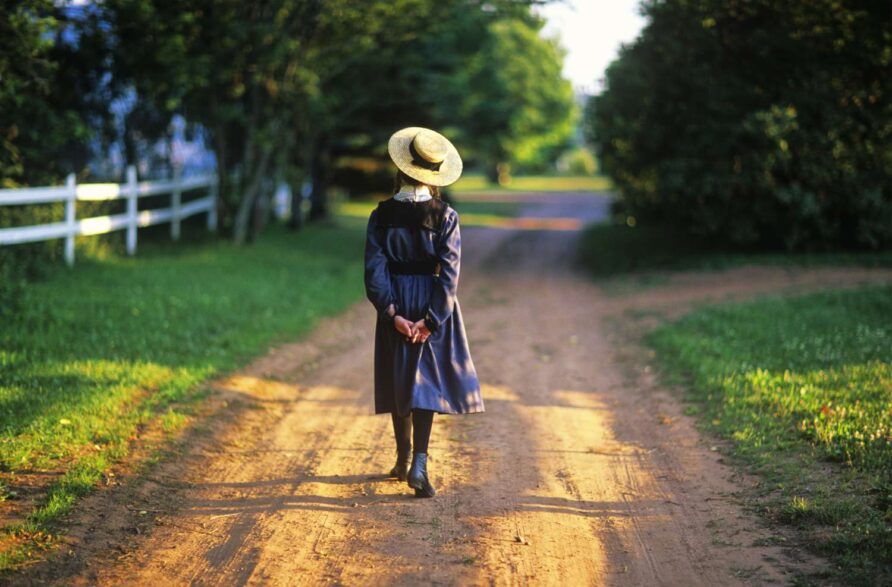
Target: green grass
109, 346
608, 250
803, 388
533, 183
473, 213
471, 208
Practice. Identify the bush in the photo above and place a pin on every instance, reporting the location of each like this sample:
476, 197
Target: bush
578, 161
761, 123
46, 109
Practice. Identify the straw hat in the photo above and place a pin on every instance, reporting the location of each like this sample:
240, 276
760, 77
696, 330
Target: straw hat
425, 155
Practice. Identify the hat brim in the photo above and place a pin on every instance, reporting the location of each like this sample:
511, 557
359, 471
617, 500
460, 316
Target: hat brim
398, 148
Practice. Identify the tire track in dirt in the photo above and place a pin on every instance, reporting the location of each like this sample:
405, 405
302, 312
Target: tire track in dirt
583, 470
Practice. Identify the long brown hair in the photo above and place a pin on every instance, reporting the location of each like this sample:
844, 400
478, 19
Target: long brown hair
402, 178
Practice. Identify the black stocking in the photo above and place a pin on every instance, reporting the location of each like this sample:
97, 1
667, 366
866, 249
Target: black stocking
423, 421
402, 432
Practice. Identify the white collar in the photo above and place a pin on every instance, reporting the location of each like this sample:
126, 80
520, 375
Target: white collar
413, 193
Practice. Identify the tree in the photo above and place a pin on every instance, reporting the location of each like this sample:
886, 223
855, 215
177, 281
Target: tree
276, 84
51, 91
285, 88
53, 105
408, 71
234, 67
363, 74
755, 123
516, 108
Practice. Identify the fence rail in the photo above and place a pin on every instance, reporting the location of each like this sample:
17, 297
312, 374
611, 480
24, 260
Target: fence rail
130, 220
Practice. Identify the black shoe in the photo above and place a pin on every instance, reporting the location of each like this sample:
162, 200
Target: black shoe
401, 468
417, 477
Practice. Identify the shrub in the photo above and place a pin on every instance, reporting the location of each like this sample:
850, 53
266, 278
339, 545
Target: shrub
578, 161
760, 123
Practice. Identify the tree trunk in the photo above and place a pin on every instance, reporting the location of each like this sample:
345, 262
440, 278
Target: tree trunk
503, 174
260, 216
492, 173
319, 174
131, 155
296, 221
223, 179
252, 186
242, 216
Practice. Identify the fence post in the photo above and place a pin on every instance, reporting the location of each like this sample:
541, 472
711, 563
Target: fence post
131, 210
70, 218
212, 213
176, 197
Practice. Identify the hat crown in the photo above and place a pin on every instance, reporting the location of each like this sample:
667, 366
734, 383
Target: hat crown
425, 155
430, 146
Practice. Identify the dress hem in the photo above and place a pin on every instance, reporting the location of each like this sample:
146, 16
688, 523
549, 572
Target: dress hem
480, 411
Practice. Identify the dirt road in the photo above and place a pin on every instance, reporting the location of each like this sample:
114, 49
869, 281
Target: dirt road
582, 471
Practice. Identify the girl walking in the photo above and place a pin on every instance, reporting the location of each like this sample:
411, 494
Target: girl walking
413, 251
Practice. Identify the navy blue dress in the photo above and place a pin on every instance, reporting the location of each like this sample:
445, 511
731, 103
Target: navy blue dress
403, 240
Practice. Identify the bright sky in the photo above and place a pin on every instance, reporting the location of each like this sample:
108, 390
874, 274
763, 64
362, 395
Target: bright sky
591, 31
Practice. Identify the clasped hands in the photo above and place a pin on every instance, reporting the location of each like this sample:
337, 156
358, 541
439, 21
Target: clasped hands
413, 331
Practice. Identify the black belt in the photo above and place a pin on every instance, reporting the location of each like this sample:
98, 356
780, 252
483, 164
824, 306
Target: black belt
413, 267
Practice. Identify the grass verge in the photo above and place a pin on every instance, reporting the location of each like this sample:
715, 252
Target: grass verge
609, 250
802, 387
472, 213
533, 183
100, 351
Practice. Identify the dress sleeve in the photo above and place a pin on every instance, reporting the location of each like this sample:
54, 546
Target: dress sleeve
446, 285
378, 287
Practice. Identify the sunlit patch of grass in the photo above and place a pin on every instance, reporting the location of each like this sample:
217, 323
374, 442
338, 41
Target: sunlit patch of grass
534, 183
471, 213
798, 508
803, 386
53, 409
505, 209
488, 214
173, 420
105, 348
356, 208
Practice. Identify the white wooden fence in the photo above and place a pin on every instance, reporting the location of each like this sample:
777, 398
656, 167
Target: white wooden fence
130, 220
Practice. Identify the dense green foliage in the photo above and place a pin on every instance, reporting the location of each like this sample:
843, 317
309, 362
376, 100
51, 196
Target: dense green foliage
266, 80
513, 106
280, 90
577, 161
285, 90
608, 249
759, 122
534, 183
796, 383
97, 352
45, 117
46, 100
